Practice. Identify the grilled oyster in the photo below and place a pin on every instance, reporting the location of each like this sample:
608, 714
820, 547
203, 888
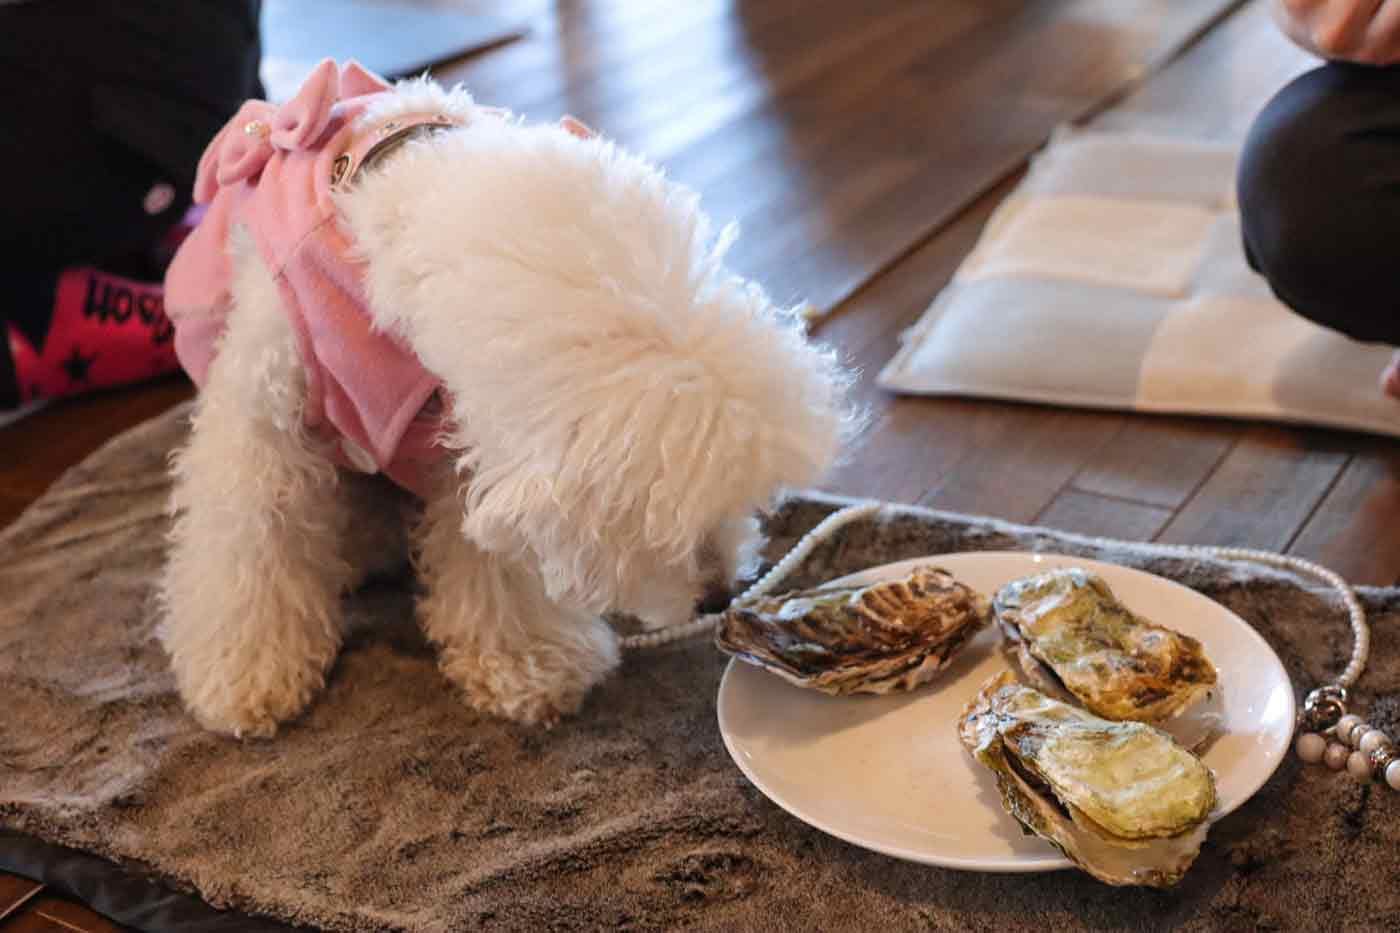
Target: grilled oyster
880, 638
1120, 799
1074, 640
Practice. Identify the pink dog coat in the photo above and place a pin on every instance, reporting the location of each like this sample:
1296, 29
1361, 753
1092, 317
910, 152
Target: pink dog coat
273, 170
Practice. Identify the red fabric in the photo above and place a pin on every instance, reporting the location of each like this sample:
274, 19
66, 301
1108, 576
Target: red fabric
105, 331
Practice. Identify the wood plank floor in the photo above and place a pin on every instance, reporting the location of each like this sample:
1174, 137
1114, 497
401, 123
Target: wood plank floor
862, 147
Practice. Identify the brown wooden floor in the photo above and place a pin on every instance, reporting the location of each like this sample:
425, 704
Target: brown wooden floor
862, 147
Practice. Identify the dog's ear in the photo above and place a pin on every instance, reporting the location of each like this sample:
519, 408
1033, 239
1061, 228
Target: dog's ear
641, 453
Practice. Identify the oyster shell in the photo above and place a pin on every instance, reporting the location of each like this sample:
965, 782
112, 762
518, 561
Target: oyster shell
888, 636
1122, 800
1073, 639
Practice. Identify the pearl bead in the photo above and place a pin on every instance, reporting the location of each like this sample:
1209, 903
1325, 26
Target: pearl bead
1336, 756
1372, 740
1359, 766
1345, 725
1392, 774
1310, 747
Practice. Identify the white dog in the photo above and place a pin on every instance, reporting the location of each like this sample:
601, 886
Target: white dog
615, 406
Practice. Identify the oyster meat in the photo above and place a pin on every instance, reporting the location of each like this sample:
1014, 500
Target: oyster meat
1073, 639
1122, 800
888, 636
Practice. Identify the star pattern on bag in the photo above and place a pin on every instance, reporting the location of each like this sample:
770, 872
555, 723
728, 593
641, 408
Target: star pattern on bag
77, 365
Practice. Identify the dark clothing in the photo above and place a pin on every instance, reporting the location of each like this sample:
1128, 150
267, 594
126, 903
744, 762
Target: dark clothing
104, 101
1319, 193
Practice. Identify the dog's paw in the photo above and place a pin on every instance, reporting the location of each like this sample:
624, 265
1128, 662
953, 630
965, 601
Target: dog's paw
237, 723
536, 687
543, 709
252, 706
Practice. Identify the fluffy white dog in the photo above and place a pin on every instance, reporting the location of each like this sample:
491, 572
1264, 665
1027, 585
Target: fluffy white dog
615, 408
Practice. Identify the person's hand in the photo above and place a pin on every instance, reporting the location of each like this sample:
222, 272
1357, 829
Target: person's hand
1362, 31
1390, 377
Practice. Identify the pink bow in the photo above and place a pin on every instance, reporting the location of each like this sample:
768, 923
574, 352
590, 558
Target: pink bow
243, 146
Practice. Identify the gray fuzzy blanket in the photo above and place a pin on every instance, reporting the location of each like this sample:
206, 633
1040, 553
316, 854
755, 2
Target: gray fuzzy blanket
391, 806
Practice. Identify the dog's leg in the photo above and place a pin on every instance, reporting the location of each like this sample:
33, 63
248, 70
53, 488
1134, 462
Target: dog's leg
251, 589
514, 652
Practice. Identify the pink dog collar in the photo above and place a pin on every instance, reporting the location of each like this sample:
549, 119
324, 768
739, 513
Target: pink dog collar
375, 142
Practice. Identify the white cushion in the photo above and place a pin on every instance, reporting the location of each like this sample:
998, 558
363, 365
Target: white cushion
1152, 247
1114, 277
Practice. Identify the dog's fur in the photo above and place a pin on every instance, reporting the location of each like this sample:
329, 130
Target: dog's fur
621, 406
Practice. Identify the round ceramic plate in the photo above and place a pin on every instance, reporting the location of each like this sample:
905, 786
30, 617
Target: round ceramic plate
889, 774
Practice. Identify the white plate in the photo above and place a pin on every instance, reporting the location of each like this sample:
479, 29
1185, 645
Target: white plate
889, 774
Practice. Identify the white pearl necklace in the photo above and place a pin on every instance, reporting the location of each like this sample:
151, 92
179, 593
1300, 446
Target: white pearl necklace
1366, 752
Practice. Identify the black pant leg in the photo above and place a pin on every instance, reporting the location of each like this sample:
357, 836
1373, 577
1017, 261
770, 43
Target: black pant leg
106, 102
1319, 193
